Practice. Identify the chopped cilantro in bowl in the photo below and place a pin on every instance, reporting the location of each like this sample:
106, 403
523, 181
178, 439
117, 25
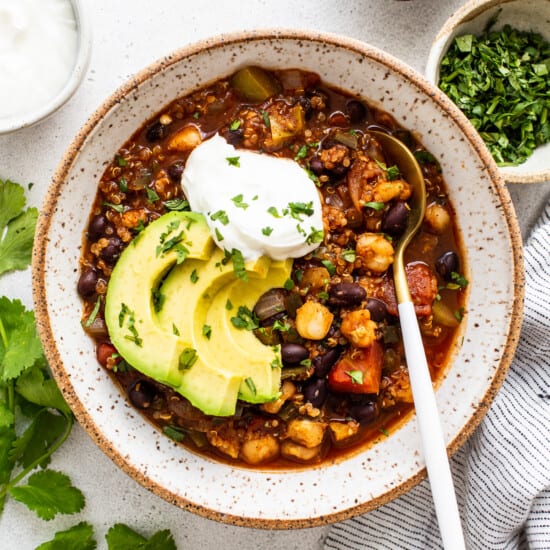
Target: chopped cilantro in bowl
501, 81
492, 59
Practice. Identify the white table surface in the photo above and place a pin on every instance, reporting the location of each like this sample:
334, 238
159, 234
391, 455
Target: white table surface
127, 36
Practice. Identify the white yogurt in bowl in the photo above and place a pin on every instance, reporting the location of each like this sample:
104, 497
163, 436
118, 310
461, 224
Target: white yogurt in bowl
44, 51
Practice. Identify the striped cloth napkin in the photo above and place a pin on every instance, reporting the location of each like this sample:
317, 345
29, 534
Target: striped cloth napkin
502, 473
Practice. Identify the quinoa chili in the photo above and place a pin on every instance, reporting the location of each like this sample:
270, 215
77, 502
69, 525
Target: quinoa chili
349, 385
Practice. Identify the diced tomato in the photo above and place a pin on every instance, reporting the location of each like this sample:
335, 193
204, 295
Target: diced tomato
358, 371
422, 285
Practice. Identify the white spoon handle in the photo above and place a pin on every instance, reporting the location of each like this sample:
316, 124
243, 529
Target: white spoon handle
433, 443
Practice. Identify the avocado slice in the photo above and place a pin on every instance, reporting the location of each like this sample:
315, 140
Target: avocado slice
241, 345
133, 297
210, 302
170, 284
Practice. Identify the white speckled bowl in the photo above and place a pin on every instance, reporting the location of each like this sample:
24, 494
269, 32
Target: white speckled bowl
472, 18
307, 497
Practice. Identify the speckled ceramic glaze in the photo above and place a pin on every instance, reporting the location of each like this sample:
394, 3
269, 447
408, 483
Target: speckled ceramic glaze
472, 18
316, 495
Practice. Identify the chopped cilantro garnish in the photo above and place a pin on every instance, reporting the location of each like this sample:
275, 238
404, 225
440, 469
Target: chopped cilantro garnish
93, 313
315, 236
158, 299
117, 207
177, 204
349, 255
235, 125
301, 153
251, 386
375, 205
233, 161
152, 195
356, 376
194, 276
238, 202
123, 185
297, 209
458, 282
266, 120
188, 358
288, 284
207, 331
331, 268
121, 161
221, 216
274, 212
499, 79
245, 319
173, 433
219, 235
267, 231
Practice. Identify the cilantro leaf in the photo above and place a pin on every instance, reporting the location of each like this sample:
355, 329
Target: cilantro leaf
16, 227
20, 346
77, 537
48, 493
41, 434
122, 537
35, 387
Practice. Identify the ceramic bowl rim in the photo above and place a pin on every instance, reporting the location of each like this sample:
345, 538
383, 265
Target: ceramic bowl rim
49, 205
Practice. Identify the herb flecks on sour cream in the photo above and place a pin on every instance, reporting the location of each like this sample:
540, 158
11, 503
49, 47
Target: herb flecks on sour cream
265, 184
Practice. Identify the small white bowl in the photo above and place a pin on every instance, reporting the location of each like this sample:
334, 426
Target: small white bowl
472, 18
74, 78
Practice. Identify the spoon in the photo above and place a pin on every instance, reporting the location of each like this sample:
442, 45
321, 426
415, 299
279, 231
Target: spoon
431, 434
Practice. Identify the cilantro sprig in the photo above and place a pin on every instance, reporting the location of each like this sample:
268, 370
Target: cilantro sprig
17, 226
35, 420
501, 81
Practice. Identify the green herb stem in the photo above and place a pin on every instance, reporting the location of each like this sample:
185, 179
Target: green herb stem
21, 475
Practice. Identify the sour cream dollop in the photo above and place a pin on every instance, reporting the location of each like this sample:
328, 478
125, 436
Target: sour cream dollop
255, 203
38, 46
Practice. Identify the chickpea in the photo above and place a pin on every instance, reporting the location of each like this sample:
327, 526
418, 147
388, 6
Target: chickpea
313, 320
358, 328
437, 218
375, 251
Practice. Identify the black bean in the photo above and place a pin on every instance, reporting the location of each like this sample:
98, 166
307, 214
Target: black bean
323, 363
156, 132
175, 171
339, 170
305, 102
141, 394
346, 294
377, 308
315, 391
87, 283
446, 264
293, 354
99, 227
356, 110
364, 413
112, 251
316, 166
235, 137
395, 219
